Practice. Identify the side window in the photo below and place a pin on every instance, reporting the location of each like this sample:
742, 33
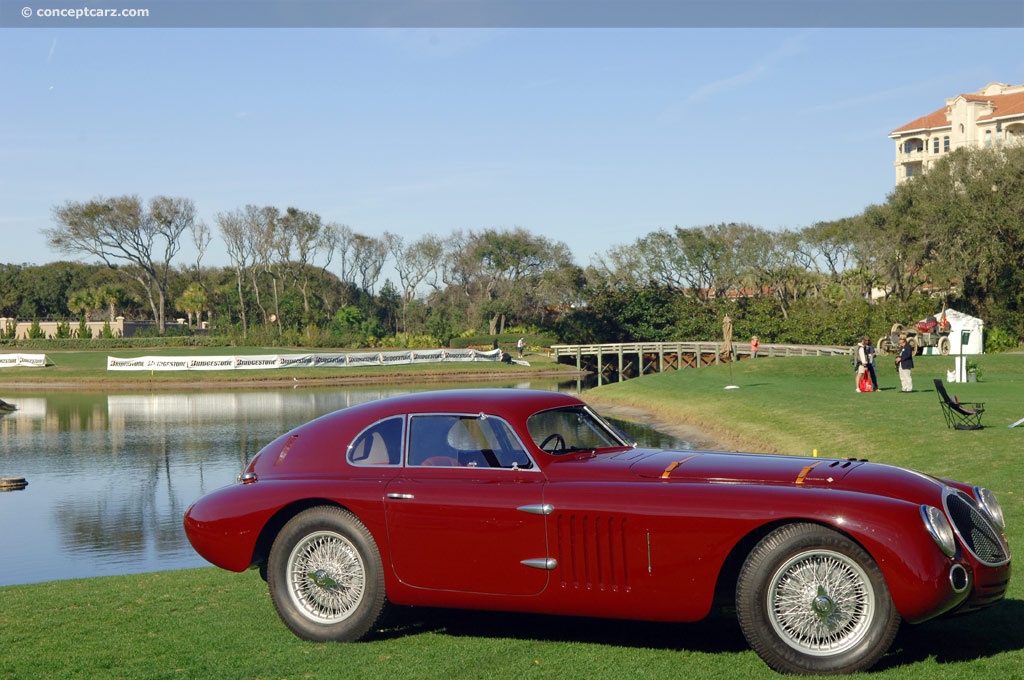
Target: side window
379, 444
465, 441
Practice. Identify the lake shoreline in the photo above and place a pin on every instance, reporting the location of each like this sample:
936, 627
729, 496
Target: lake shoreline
696, 436
196, 380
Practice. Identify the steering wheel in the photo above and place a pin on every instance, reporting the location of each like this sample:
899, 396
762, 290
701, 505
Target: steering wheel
441, 461
554, 437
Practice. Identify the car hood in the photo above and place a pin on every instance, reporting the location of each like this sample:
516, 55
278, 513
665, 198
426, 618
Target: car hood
741, 468
847, 474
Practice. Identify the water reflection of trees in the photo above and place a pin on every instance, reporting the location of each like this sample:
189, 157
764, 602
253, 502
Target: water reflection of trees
128, 514
139, 460
122, 469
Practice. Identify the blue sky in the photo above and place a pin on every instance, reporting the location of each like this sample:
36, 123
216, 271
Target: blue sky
593, 137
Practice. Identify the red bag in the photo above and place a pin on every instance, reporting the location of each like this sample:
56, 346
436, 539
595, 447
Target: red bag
865, 383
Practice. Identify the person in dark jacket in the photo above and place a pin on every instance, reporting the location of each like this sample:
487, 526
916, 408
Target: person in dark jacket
904, 364
869, 351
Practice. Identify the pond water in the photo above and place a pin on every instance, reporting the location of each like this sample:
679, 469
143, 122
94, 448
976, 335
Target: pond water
110, 475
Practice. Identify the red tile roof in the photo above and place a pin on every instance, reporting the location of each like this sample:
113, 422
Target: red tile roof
1004, 105
935, 119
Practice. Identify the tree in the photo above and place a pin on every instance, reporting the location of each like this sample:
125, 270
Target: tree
81, 302
972, 204
121, 229
414, 263
368, 256
241, 247
500, 271
192, 301
10, 289
201, 239
337, 242
304, 231
261, 225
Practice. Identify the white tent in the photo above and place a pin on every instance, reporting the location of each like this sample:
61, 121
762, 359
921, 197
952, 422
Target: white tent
964, 329
966, 336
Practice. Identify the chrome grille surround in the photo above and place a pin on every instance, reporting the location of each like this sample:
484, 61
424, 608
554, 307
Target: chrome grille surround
975, 529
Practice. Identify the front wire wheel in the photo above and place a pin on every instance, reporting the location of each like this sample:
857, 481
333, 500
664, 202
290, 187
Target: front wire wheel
326, 577
810, 600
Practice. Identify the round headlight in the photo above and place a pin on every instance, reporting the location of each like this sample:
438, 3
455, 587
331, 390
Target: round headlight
938, 526
987, 501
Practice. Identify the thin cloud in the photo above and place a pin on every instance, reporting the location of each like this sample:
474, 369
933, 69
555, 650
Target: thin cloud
900, 92
791, 46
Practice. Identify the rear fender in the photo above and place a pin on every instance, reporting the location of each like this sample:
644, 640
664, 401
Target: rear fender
234, 527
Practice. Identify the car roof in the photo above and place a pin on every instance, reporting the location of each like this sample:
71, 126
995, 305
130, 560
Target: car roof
509, 402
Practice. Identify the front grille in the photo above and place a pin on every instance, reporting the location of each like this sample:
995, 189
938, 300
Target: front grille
976, 530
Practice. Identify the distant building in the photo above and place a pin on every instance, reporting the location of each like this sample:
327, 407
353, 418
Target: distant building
992, 116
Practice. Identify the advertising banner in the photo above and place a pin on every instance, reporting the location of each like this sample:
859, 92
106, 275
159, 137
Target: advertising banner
320, 360
37, 360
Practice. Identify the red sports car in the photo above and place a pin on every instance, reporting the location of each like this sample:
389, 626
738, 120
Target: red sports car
529, 501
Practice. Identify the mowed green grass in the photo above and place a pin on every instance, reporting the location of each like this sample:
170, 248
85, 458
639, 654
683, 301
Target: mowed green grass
206, 623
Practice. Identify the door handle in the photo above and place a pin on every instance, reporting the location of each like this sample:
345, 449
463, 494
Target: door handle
401, 496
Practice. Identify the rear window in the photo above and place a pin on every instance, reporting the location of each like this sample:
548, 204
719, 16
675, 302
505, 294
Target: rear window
379, 444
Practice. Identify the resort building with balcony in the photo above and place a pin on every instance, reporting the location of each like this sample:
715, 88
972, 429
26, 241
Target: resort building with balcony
992, 116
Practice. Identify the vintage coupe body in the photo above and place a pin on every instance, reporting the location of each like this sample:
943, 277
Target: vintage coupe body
528, 501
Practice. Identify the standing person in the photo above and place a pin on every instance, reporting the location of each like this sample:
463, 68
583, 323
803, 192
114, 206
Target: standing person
520, 346
904, 364
869, 351
860, 355
754, 345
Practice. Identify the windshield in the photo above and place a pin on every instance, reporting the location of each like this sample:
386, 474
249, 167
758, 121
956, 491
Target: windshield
576, 428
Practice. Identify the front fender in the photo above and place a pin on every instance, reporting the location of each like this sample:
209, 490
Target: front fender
916, 571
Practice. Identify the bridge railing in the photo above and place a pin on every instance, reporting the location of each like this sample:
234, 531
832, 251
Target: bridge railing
739, 349
630, 359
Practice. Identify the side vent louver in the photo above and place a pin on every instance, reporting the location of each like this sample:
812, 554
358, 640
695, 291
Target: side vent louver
592, 552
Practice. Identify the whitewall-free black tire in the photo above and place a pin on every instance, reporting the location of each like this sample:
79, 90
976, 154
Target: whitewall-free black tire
812, 601
325, 576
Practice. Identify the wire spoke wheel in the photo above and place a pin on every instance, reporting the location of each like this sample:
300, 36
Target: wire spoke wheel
326, 576
811, 600
820, 603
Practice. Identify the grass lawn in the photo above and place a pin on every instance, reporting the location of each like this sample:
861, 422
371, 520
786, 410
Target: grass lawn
207, 623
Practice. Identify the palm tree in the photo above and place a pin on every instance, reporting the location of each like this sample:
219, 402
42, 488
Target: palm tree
81, 302
192, 301
108, 296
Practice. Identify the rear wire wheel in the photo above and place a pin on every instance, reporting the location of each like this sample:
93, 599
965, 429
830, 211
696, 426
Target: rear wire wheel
811, 601
326, 577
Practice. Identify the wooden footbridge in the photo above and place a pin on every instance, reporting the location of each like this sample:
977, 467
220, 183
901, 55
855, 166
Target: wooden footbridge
615, 362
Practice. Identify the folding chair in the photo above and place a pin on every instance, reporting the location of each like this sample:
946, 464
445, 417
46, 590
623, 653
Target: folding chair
960, 415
